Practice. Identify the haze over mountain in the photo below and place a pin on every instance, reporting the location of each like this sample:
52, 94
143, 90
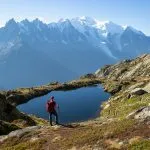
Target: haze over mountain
33, 52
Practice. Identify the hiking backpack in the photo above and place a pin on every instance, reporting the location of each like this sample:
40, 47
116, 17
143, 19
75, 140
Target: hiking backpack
50, 106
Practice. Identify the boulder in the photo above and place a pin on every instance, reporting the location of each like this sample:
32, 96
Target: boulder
143, 114
136, 85
19, 133
138, 91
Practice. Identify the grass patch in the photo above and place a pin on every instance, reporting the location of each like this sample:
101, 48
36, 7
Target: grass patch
112, 86
39, 121
122, 107
140, 145
91, 134
36, 145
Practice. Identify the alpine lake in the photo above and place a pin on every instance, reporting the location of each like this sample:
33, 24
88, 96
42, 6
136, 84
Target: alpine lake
75, 105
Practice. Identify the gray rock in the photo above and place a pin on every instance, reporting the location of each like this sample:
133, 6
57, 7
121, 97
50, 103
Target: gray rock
138, 91
132, 114
18, 133
143, 114
137, 85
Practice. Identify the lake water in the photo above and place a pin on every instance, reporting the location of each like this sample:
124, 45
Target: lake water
76, 105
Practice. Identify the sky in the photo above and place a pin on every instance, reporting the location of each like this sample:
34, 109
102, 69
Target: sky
124, 12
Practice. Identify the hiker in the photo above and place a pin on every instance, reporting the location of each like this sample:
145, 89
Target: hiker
51, 109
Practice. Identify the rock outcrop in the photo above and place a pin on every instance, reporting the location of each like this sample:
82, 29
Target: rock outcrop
138, 91
8, 112
143, 114
6, 127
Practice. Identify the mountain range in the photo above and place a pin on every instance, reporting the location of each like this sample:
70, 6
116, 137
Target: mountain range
34, 53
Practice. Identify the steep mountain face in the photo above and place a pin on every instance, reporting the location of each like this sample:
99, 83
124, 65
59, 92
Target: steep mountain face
63, 50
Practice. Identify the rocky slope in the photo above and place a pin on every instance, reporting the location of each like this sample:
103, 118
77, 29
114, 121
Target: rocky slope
127, 69
129, 83
124, 122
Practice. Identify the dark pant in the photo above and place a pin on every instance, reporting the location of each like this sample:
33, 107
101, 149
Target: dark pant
50, 117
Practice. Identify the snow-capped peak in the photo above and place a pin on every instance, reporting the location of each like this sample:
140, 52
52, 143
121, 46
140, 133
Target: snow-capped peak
103, 27
82, 23
85, 25
109, 27
88, 21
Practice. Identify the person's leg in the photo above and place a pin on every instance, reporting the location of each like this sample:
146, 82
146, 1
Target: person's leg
56, 117
50, 118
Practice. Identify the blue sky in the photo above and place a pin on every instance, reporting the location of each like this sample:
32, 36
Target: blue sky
125, 12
